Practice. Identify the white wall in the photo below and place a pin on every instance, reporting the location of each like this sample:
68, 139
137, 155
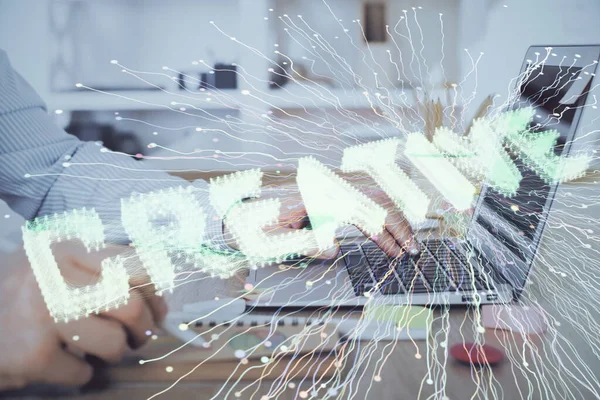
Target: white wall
434, 41
505, 33
23, 33
145, 35
329, 19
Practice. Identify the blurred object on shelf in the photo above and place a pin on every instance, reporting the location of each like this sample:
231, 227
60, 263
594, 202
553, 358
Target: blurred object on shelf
207, 81
374, 15
279, 75
124, 142
222, 76
225, 76
112, 139
282, 73
181, 82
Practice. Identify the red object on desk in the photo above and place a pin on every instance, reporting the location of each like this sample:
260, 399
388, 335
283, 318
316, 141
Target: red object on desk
474, 354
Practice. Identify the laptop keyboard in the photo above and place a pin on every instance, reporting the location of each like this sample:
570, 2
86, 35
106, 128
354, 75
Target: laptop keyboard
438, 268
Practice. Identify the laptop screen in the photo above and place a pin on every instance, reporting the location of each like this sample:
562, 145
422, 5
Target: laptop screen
507, 226
543, 90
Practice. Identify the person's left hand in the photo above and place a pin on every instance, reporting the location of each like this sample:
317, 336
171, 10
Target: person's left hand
35, 349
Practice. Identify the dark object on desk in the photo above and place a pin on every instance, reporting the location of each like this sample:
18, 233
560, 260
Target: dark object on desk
100, 377
225, 76
40, 391
476, 355
100, 381
125, 142
90, 131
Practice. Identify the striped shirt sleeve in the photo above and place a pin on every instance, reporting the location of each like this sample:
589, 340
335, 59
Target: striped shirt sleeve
44, 170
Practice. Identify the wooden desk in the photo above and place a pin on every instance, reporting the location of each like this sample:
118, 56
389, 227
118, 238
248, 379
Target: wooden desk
403, 376
559, 364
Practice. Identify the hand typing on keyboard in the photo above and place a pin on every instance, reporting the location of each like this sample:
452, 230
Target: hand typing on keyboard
397, 235
395, 239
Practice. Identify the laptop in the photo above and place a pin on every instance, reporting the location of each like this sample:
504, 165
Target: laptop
492, 263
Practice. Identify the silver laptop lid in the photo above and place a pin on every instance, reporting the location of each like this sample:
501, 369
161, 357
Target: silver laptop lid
507, 230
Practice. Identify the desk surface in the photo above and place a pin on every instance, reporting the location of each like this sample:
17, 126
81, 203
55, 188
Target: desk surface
562, 363
403, 376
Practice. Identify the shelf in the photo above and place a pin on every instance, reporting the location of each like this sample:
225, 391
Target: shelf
297, 96
141, 100
234, 99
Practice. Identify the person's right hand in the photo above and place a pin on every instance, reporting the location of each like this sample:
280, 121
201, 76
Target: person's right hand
395, 238
35, 349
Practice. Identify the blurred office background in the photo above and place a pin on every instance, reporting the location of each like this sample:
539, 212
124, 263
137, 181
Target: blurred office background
56, 44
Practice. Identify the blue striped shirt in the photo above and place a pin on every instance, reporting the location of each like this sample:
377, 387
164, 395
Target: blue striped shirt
44, 170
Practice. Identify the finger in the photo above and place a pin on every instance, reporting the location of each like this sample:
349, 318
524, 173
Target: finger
402, 232
300, 222
141, 283
64, 369
75, 253
388, 244
92, 263
157, 304
102, 337
296, 217
136, 317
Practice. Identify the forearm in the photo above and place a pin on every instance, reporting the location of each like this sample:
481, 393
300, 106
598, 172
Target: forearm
44, 170
96, 178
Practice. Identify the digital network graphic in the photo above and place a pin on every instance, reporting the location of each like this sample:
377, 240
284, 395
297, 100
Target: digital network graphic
421, 169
